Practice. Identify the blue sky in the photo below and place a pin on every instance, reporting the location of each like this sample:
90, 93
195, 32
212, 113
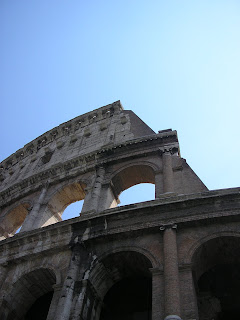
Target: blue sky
174, 63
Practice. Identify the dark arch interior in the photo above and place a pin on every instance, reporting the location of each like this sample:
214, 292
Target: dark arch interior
217, 271
128, 299
219, 292
39, 309
30, 296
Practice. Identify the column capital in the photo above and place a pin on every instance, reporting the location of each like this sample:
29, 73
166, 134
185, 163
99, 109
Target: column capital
168, 226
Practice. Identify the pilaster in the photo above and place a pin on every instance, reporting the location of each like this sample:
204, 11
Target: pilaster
66, 297
31, 221
53, 306
168, 184
157, 293
92, 198
188, 293
171, 275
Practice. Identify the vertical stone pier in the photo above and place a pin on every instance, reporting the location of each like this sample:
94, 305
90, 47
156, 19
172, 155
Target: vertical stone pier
157, 293
66, 297
171, 275
32, 217
92, 199
168, 184
53, 306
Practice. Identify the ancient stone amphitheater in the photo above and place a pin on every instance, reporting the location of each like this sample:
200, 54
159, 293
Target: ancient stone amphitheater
175, 257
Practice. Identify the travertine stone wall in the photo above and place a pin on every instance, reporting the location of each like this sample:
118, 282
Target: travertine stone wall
95, 157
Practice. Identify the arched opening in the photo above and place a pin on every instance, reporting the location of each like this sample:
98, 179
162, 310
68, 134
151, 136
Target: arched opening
30, 297
216, 269
138, 193
129, 299
130, 294
73, 210
62, 199
12, 222
134, 184
39, 309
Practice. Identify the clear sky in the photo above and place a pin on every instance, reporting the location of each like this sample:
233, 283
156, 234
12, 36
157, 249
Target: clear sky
174, 63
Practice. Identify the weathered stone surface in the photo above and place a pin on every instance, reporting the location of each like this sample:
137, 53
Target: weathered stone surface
80, 268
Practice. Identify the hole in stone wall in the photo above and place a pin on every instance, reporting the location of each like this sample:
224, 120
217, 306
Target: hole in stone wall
73, 210
138, 193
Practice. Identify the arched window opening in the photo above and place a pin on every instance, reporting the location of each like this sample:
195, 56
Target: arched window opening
127, 287
73, 210
138, 193
30, 297
63, 198
216, 269
138, 180
12, 222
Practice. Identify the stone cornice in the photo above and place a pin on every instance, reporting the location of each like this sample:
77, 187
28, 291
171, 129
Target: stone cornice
80, 165
172, 135
148, 216
35, 242
154, 220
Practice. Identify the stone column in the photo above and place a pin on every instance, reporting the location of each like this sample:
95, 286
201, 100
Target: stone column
65, 301
107, 198
79, 263
53, 306
157, 293
95, 313
98, 310
171, 276
30, 221
188, 293
92, 199
80, 301
87, 204
168, 184
158, 184
3, 273
97, 188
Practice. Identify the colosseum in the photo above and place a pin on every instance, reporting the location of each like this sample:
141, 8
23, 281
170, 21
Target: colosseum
174, 257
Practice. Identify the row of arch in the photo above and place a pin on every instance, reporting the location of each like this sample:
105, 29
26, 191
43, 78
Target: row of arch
138, 180
215, 271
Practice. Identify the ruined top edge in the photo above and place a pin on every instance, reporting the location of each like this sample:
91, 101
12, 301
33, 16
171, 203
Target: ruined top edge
100, 113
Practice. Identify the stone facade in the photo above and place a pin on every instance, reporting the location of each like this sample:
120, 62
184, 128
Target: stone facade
176, 257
